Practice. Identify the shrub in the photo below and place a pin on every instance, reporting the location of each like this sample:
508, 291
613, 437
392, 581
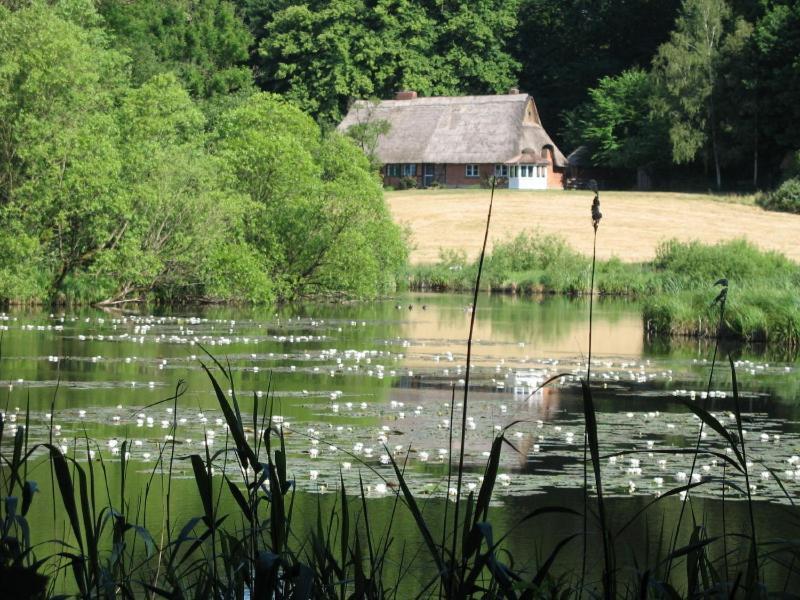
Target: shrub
682, 265
785, 199
407, 183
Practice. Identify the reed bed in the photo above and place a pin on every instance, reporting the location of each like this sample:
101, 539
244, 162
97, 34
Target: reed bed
673, 288
259, 546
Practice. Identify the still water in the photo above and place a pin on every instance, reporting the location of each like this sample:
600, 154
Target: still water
351, 384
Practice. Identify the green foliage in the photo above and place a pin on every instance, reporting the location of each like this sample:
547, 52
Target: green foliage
676, 287
727, 74
319, 221
110, 191
323, 54
566, 47
777, 44
558, 266
205, 43
180, 209
785, 199
756, 313
687, 68
407, 183
762, 302
60, 161
618, 123
686, 265
366, 133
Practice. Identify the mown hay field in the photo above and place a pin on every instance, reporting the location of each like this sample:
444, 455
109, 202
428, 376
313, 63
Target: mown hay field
633, 225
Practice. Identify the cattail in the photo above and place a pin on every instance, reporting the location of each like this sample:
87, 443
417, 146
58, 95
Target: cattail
596, 214
723, 293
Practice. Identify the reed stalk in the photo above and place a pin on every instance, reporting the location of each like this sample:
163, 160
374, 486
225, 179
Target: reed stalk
463, 432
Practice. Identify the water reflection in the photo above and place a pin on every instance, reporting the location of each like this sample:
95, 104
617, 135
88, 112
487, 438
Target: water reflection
353, 382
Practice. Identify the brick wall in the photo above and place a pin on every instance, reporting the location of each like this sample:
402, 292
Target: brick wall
455, 175
555, 175
555, 178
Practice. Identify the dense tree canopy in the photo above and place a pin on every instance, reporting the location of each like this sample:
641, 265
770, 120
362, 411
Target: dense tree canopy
204, 42
726, 90
619, 125
566, 47
322, 54
317, 206
688, 70
112, 190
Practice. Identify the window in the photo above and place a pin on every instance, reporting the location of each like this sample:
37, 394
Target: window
526, 170
501, 170
393, 170
410, 170
472, 170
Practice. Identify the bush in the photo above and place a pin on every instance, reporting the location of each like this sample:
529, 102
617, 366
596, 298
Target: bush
407, 183
785, 199
682, 266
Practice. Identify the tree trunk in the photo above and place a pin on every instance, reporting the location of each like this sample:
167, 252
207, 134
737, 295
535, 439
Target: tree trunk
755, 149
714, 148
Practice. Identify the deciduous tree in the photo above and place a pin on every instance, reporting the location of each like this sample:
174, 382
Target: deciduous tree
688, 70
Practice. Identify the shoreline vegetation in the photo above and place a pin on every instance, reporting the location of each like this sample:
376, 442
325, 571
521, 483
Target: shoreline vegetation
675, 288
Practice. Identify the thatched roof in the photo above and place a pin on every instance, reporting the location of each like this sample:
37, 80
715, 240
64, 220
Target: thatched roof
460, 129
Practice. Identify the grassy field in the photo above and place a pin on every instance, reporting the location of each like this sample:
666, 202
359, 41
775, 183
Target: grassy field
633, 222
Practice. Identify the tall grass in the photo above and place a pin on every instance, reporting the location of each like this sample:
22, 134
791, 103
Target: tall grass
766, 307
245, 541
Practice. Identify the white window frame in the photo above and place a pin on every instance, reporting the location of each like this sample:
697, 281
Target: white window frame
501, 170
472, 170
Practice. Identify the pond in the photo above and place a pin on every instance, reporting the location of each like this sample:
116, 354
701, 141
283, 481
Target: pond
351, 384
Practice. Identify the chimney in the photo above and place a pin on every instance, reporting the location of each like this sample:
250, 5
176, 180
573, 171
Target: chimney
406, 95
512, 91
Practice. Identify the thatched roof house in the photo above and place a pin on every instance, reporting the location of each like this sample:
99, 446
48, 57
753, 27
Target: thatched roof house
462, 140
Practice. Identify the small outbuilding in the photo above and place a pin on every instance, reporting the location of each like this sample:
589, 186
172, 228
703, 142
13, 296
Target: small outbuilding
459, 141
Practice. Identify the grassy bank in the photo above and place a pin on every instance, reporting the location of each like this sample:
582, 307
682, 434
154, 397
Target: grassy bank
676, 288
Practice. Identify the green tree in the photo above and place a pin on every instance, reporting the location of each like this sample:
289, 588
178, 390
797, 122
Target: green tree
688, 70
320, 224
619, 125
566, 47
473, 46
777, 46
324, 54
367, 132
59, 200
204, 42
182, 214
